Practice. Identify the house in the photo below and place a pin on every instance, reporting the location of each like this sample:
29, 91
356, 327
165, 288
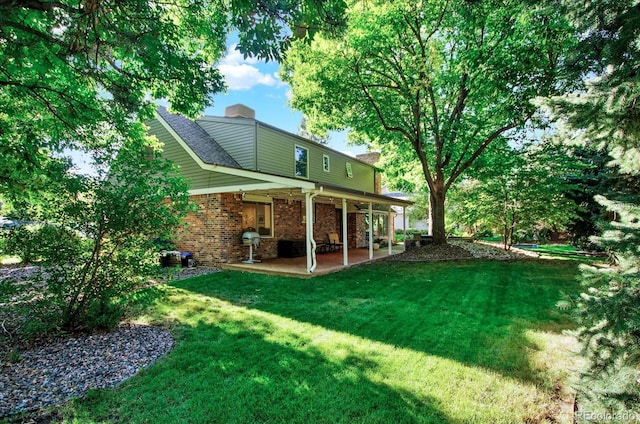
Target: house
402, 217
246, 175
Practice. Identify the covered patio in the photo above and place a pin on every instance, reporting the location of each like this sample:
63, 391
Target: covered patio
357, 236
326, 262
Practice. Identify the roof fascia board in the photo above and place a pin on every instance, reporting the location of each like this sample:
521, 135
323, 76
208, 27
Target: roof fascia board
364, 197
238, 188
284, 181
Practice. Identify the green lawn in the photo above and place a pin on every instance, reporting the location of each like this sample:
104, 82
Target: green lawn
468, 342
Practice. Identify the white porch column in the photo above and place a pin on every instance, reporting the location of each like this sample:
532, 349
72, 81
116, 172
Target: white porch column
312, 262
389, 234
309, 228
345, 234
404, 226
370, 230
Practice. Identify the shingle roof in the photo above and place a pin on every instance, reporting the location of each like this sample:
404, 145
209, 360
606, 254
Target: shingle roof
202, 144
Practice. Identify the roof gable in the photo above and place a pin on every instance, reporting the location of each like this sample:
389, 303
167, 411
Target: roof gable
198, 140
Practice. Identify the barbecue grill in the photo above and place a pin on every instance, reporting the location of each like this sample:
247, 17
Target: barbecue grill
251, 239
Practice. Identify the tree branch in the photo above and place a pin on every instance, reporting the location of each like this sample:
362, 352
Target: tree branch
463, 92
466, 148
380, 115
454, 175
44, 36
41, 6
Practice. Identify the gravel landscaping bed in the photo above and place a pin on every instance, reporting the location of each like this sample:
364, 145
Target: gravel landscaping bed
58, 369
460, 250
66, 368
194, 272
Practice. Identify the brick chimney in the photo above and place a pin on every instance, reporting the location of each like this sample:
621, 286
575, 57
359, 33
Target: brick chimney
370, 157
239, 111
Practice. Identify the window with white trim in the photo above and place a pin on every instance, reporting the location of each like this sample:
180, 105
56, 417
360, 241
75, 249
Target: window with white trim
302, 162
325, 163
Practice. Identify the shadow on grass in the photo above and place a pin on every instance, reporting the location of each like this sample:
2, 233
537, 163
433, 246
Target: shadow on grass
230, 372
475, 313
143, 299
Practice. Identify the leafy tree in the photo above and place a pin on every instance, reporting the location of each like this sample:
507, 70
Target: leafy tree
526, 195
70, 69
303, 131
83, 75
432, 84
606, 114
94, 236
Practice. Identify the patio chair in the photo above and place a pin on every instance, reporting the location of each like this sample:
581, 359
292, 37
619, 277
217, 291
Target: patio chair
334, 242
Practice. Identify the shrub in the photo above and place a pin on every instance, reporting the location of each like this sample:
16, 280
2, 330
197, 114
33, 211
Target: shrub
100, 248
23, 242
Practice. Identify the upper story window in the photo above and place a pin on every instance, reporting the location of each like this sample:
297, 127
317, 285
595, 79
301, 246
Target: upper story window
349, 171
325, 163
302, 162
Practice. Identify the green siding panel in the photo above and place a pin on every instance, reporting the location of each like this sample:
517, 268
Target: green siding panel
276, 155
272, 153
235, 135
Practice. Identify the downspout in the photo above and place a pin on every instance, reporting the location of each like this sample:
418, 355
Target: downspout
404, 226
370, 231
312, 263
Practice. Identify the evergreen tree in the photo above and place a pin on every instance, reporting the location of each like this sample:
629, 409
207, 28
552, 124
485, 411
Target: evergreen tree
607, 116
596, 178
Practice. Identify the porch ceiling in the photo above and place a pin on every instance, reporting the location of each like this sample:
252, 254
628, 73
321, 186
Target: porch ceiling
332, 195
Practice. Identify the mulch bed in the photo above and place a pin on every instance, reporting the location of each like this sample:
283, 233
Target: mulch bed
461, 250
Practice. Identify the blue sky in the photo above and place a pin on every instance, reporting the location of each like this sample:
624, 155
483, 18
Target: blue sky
256, 84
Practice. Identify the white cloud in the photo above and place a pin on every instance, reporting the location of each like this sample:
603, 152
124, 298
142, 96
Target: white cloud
234, 57
241, 74
244, 77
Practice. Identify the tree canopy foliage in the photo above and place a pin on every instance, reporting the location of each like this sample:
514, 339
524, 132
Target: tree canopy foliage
69, 69
524, 196
84, 75
432, 84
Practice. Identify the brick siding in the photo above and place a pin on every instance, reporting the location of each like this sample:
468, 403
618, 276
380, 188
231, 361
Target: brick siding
214, 232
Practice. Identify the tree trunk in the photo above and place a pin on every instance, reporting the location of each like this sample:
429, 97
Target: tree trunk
436, 202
